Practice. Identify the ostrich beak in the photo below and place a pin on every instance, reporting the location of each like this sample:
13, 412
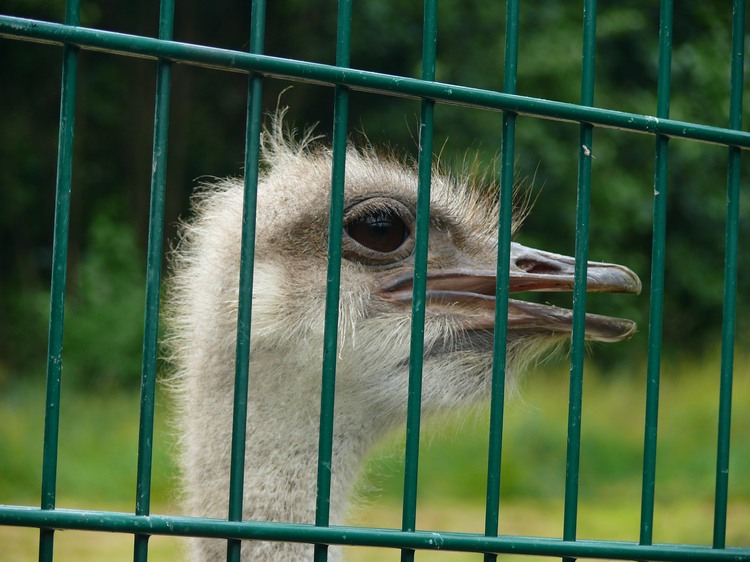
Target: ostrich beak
469, 294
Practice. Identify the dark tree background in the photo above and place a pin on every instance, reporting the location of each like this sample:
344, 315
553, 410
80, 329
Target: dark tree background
112, 155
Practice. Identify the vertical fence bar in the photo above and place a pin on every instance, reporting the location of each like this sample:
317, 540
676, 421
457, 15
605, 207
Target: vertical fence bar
579, 291
333, 280
58, 281
416, 351
494, 457
153, 281
661, 184
253, 122
730, 278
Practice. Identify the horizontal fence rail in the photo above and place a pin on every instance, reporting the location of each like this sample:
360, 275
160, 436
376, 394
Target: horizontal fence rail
133, 45
389, 538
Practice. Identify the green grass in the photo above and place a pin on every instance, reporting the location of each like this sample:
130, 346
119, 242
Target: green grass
453, 462
97, 450
98, 442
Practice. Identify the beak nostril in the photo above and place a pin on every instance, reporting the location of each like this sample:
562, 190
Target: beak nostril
534, 266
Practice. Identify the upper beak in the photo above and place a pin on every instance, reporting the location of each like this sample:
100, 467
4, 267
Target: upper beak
537, 270
470, 293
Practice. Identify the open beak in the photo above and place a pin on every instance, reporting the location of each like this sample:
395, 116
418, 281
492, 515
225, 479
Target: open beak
469, 294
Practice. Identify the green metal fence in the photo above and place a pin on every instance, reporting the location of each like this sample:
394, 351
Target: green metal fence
261, 68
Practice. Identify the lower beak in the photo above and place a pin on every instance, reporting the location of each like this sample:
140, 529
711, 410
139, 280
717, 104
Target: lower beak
469, 294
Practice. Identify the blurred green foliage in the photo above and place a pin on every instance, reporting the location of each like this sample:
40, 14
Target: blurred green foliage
103, 312
112, 157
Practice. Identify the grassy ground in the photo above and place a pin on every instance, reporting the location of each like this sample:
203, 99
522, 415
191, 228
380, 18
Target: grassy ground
98, 438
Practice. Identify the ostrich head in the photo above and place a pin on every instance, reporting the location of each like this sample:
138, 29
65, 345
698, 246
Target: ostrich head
374, 326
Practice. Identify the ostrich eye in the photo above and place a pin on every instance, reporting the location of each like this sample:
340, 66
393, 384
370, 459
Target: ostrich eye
382, 231
378, 231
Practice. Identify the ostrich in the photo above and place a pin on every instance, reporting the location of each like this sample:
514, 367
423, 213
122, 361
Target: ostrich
373, 331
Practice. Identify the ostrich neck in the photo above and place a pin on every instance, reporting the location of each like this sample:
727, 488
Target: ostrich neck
281, 452
281, 476
282, 462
